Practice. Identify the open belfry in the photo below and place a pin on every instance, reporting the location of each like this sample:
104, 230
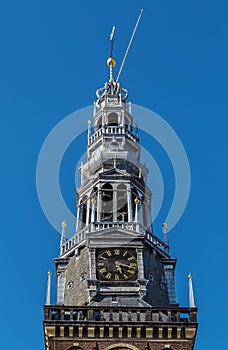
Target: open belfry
114, 276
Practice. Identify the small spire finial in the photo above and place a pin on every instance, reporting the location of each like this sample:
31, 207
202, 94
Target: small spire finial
191, 294
165, 235
63, 235
48, 292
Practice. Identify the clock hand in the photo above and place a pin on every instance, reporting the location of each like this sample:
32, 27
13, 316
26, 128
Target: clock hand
125, 265
118, 267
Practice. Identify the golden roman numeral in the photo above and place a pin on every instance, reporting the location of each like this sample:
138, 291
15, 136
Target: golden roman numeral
125, 276
125, 253
103, 270
100, 263
108, 276
131, 258
133, 265
131, 271
116, 251
117, 278
108, 252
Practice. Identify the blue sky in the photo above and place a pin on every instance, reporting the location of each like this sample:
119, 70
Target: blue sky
53, 57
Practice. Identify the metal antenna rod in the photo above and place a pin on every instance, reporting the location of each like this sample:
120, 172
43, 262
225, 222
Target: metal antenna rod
112, 40
129, 45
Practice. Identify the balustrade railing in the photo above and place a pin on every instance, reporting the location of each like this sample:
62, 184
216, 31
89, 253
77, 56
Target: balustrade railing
98, 226
117, 130
115, 314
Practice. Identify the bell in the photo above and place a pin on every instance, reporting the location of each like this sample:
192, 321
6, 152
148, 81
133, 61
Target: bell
106, 197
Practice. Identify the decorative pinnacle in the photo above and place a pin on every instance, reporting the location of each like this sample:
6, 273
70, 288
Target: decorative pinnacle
191, 294
164, 225
48, 291
94, 201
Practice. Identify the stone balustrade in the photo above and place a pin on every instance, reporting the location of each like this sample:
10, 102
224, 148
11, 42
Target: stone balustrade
114, 314
112, 130
98, 226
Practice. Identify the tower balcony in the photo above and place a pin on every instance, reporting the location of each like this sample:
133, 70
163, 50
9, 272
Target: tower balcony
115, 323
112, 314
112, 131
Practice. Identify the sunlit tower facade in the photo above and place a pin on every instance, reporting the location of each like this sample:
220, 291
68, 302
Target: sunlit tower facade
114, 276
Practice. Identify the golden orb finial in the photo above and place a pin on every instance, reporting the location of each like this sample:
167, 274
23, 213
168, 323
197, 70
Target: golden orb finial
164, 224
49, 273
189, 275
64, 224
111, 62
136, 201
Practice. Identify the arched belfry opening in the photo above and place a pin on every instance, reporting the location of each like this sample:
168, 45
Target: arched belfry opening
113, 119
107, 202
122, 203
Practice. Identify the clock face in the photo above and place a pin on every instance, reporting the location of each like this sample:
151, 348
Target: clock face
117, 264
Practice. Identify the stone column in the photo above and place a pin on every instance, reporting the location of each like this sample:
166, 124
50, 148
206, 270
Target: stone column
114, 186
78, 214
87, 212
140, 264
99, 203
92, 252
129, 203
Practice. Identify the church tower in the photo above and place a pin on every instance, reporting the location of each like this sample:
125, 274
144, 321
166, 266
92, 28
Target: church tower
114, 276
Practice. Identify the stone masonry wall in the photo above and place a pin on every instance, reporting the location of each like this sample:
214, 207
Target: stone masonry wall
77, 273
157, 294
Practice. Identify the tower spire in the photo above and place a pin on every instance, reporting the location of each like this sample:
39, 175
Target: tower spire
111, 61
191, 294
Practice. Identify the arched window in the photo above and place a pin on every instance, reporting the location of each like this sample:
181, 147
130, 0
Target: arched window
82, 212
113, 119
107, 202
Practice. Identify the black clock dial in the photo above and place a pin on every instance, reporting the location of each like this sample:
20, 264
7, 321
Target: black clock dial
117, 264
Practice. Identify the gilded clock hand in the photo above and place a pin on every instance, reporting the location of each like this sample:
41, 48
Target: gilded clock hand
118, 267
125, 265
